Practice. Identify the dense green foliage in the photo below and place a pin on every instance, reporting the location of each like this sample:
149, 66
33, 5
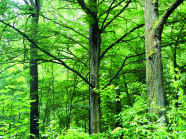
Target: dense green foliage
64, 95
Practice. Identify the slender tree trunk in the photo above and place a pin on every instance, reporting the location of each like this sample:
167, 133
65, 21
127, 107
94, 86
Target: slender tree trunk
176, 65
53, 91
176, 72
153, 61
118, 108
94, 42
127, 92
34, 113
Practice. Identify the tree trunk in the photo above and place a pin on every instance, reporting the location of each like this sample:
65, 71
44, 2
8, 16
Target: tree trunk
127, 92
94, 42
153, 61
153, 31
118, 108
34, 113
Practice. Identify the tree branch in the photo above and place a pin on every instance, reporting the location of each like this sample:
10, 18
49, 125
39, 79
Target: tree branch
76, 57
65, 26
120, 70
182, 41
182, 68
175, 21
107, 14
85, 9
77, 42
111, 8
49, 54
58, 33
7, 68
166, 14
108, 23
120, 39
26, 2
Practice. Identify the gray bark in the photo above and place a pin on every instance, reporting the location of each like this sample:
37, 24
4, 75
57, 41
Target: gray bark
153, 31
153, 62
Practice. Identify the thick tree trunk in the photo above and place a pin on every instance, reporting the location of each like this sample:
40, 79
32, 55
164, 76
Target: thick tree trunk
153, 31
34, 112
153, 61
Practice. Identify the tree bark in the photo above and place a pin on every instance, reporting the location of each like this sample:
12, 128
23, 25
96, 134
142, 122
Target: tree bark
34, 112
153, 31
153, 62
94, 42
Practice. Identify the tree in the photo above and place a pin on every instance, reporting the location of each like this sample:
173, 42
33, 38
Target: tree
34, 110
153, 31
102, 44
95, 43
95, 31
105, 19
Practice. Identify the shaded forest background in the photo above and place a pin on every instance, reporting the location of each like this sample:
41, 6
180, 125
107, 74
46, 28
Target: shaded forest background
77, 69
